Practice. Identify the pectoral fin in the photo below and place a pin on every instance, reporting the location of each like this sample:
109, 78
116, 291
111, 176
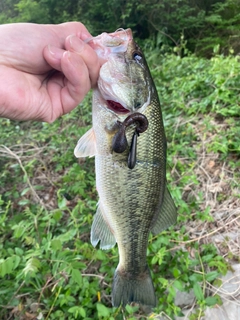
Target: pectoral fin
167, 214
86, 146
101, 231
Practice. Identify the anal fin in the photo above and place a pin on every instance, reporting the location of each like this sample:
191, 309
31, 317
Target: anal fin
167, 214
101, 231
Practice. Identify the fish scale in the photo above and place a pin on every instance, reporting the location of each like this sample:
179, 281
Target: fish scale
132, 202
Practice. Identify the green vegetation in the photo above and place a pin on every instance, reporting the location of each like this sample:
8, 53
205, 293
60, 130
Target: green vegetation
48, 268
202, 24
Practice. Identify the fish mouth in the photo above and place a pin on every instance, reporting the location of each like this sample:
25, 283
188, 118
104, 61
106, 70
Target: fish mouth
117, 107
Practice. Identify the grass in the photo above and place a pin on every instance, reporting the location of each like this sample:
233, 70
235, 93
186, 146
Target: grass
48, 268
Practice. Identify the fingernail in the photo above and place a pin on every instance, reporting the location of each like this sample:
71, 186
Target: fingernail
67, 54
76, 44
57, 53
85, 36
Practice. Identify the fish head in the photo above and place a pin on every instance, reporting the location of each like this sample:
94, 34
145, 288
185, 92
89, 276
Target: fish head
124, 84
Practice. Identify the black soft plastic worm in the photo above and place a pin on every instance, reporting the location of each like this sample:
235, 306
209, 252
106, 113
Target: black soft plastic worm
119, 142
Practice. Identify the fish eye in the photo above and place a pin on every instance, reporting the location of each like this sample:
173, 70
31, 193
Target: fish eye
137, 55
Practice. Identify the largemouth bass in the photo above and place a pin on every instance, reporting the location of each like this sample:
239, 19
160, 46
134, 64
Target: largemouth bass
129, 145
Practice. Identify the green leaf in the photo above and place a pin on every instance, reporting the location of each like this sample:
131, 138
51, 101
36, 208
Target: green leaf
210, 276
3, 268
76, 276
198, 291
131, 309
16, 261
211, 301
100, 255
164, 282
57, 215
19, 251
82, 312
102, 310
32, 266
77, 311
25, 191
23, 202
178, 284
64, 237
176, 272
8, 265
62, 203
154, 259
56, 244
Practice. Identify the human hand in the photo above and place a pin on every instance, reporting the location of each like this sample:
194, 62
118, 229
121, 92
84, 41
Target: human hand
45, 70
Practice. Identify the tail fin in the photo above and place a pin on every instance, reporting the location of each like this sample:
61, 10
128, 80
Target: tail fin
129, 288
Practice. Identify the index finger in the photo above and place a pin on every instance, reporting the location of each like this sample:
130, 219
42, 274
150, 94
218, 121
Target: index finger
89, 56
77, 28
